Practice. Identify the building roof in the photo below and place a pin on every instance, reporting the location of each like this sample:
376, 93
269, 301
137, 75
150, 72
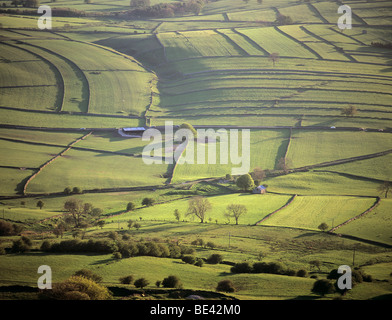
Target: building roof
260, 187
135, 129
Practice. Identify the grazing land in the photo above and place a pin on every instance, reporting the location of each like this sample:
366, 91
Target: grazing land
76, 193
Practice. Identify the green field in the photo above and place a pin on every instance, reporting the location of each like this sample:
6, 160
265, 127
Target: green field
281, 69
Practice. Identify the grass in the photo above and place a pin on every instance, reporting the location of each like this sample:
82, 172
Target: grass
52, 120
14, 154
310, 211
318, 146
373, 226
265, 148
89, 170
321, 183
257, 207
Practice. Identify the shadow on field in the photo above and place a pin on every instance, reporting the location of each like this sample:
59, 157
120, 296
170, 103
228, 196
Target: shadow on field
103, 261
307, 234
305, 298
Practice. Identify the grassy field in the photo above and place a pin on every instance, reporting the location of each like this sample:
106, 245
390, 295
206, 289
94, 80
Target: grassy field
108, 70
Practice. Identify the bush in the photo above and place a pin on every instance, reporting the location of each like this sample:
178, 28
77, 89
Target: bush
148, 202
302, 273
199, 263
215, 258
117, 255
225, 286
323, 287
141, 283
86, 273
126, 279
9, 229
172, 282
243, 267
189, 259
77, 288
21, 245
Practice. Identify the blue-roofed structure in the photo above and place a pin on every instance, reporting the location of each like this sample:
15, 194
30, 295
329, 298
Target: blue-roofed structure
260, 189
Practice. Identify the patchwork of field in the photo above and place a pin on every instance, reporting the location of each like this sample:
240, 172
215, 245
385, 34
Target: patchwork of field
235, 65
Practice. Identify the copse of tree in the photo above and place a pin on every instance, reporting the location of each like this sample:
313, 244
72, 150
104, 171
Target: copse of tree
21, 245
245, 182
9, 229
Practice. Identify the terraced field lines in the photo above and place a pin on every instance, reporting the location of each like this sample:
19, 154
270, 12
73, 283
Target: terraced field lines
298, 41
76, 85
349, 57
59, 78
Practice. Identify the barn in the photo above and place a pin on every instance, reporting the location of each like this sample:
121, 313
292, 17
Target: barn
260, 190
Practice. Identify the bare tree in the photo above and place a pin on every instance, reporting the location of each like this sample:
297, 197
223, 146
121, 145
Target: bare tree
235, 211
198, 207
274, 57
384, 188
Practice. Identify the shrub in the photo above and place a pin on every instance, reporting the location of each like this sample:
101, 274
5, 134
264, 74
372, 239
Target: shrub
117, 255
199, 263
77, 190
225, 286
9, 229
86, 273
67, 190
148, 202
323, 287
21, 245
126, 279
141, 283
77, 287
131, 206
171, 282
189, 259
215, 258
302, 273
243, 267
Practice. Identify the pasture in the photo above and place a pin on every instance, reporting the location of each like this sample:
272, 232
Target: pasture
282, 65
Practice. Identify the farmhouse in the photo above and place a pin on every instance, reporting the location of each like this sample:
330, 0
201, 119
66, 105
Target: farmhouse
260, 190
